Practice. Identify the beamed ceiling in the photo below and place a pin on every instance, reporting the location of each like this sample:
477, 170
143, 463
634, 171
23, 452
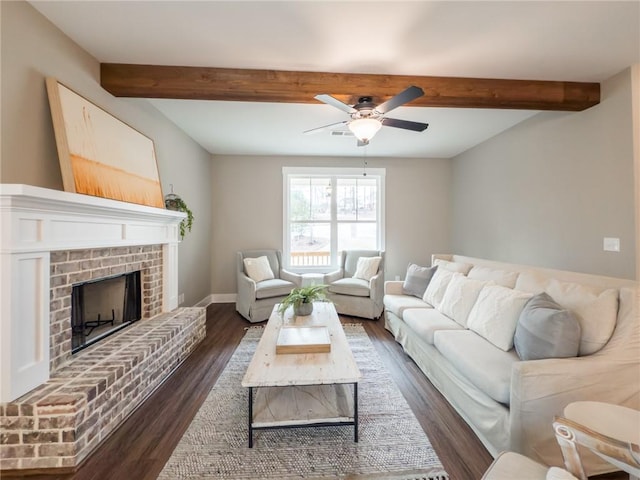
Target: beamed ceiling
250, 85
240, 77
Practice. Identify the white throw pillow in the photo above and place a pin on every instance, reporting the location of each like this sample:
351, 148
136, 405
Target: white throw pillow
495, 314
437, 286
462, 268
367, 267
459, 298
596, 309
501, 277
258, 269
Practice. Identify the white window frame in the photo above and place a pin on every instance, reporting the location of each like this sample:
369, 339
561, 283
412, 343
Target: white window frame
333, 173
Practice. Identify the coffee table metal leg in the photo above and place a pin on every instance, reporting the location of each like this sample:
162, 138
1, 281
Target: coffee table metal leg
355, 412
250, 417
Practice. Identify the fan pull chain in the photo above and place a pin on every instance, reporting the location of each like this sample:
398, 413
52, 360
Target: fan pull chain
364, 167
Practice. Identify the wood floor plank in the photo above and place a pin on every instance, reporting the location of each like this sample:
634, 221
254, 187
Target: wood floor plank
141, 446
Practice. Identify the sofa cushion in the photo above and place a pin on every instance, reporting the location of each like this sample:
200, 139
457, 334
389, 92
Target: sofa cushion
459, 298
258, 269
500, 277
532, 282
355, 287
367, 267
397, 304
273, 288
596, 309
437, 286
459, 267
495, 314
546, 330
417, 279
484, 365
426, 321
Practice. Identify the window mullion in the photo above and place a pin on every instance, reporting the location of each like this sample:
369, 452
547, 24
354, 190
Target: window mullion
334, 221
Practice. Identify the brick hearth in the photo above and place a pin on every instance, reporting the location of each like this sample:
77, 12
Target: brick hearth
61, 422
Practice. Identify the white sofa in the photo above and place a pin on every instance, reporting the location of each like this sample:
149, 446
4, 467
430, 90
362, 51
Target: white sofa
508, 402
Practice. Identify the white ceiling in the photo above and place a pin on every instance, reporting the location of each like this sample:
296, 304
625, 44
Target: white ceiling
562, 40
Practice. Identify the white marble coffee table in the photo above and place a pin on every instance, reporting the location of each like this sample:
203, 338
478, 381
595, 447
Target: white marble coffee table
304, 389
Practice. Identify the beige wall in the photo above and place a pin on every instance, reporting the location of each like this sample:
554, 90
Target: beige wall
32, 49
548, 190
247, 209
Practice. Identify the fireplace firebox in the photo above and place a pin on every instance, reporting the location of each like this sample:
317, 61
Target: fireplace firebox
102, 307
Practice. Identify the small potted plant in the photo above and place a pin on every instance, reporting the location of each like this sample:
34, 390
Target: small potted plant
302, 299
174, 202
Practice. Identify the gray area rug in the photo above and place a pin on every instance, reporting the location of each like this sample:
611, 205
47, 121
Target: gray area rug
392, 445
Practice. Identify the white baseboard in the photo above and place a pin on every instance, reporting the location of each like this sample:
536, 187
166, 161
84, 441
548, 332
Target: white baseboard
205, 302
216, 298
223, 298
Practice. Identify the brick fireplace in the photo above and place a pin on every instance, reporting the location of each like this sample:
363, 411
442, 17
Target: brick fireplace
57, 407
70, 267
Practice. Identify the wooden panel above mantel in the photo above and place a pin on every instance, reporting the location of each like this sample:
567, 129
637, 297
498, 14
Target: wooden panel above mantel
207, 83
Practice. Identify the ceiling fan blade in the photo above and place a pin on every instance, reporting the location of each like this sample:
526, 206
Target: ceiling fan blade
406, 124
331, 126
334, 102
403, 97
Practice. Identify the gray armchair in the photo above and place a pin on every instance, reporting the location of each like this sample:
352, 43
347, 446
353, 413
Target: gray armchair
255, 300
355, 296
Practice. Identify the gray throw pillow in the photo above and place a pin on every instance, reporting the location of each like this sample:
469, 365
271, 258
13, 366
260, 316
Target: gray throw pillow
546, 330
417, 279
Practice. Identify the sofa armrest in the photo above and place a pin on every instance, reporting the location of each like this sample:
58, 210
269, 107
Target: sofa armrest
541, 389
291, 277
393, 287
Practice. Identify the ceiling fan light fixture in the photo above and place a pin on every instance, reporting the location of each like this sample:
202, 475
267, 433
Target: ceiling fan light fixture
365, 128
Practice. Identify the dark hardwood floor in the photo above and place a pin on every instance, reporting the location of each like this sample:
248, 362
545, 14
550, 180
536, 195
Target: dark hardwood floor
139, 449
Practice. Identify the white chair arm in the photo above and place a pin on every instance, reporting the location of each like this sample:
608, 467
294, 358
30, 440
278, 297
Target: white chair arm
333, 276
291, 277
376, 286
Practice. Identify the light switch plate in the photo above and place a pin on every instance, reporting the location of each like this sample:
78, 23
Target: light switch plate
611, 244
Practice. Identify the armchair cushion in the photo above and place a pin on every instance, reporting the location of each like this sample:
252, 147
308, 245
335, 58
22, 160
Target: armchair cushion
367, 267
258, 269
356, 287
274, 287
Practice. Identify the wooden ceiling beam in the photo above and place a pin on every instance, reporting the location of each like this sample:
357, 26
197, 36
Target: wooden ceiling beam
230, 84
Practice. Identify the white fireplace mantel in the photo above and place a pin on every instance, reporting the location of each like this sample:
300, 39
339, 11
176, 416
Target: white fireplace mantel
34, 222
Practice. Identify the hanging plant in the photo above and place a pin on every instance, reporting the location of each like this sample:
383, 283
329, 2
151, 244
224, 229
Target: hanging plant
174, 202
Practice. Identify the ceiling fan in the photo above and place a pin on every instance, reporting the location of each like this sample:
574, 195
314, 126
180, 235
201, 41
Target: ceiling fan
367, 118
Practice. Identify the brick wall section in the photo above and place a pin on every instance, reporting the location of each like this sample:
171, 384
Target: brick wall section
62, 421
77, 266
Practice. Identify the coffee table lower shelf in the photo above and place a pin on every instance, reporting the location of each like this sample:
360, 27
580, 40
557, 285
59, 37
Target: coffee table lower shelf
303, 406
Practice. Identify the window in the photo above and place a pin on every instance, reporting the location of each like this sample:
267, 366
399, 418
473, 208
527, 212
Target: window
327, 210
